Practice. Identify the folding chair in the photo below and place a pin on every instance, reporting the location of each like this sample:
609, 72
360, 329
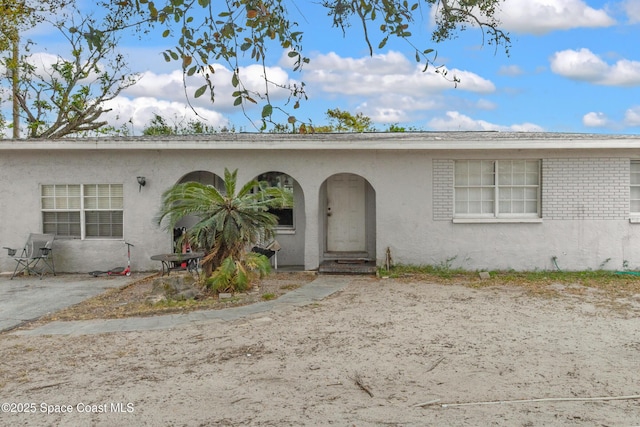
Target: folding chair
36, 256
270, 250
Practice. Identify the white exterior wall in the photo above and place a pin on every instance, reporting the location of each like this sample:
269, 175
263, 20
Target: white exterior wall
585, 198
584, 224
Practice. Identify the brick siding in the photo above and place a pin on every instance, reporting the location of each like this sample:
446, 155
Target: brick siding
443, 173
585, 188
588, 188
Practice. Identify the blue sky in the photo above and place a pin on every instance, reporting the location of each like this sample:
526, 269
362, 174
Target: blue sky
574, 66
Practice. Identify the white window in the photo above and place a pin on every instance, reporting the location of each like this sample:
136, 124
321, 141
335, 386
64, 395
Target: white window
83, 211
635, 187
497, 188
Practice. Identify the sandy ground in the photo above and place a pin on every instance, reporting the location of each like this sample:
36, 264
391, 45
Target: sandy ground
374, 354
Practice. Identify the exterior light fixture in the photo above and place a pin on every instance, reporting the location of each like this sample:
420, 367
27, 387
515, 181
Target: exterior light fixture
142, 181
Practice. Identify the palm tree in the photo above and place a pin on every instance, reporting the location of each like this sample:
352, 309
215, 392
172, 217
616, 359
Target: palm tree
229, 223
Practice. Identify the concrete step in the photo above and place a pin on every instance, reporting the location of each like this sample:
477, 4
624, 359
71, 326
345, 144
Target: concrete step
348, 266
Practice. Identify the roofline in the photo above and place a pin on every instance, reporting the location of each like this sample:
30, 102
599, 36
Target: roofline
405, 141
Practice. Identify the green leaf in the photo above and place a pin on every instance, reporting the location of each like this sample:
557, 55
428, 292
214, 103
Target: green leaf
267, 110
234, 80
166, 33
237, 102
200, 91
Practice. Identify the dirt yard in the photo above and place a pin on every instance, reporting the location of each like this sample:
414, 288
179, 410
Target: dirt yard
403, 352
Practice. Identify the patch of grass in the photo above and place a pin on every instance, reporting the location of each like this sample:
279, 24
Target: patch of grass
442, 270
268, 296
536, 282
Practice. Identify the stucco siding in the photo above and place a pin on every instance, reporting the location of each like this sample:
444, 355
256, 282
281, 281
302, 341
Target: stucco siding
409, 198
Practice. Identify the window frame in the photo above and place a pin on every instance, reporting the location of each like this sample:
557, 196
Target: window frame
90, 208
492, 189
634, 213
280, 179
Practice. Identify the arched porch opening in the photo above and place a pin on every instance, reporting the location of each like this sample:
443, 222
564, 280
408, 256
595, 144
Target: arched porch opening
202, 177
290, 232
347, 219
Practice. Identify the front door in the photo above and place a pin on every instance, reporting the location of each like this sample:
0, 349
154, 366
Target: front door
346, 213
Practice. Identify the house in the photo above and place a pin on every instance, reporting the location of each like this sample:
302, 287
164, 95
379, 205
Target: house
475, 200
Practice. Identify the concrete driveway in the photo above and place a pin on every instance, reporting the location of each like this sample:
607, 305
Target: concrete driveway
27, 298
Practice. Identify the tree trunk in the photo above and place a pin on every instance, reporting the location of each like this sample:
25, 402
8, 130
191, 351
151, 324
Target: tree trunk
15, 81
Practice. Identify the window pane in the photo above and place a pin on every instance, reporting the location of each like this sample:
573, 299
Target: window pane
285, 182
462, 194
48, 191
517, 193
103, 223
488, 173
531, 207
103, 196
504, 173
475, 207
48, 203
462, 207
461, 173
61, 223
474, 194
285, 217
475, 173
505, 194
73, 192
531, 194
116, 196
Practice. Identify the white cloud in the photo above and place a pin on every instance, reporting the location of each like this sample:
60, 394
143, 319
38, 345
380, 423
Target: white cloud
632, 9
137, 113
544, 16
454, 121
484, 104
511, 70
585, 65
632, 116
170, 86
389, 88
595, 119
601, 120
386, 73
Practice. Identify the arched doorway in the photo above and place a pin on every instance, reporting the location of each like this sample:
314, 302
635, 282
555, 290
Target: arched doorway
202, 177
290, 231
348, 217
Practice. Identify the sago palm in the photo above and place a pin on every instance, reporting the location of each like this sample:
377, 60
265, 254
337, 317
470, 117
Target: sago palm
228, 223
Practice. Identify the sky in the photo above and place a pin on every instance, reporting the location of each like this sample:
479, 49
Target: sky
573, 66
